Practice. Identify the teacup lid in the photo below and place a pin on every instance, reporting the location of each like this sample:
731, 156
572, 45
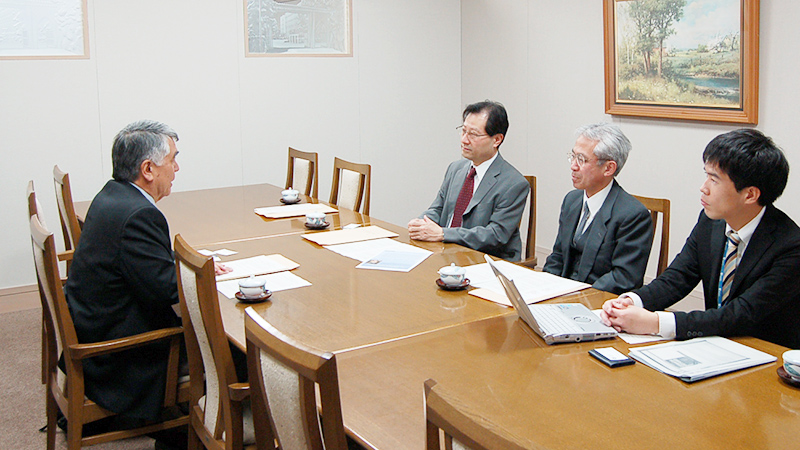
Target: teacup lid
290, 191
315, 215
251, 282
792, 357
452, 269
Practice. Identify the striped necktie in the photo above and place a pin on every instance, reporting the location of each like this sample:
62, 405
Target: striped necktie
729, 268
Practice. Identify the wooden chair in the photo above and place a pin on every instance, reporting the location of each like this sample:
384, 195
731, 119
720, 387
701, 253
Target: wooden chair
659, 205
351, 182
218, 399
530, 259
283, 375
303, 173
462, 424
34, 208
65, 391
70, 226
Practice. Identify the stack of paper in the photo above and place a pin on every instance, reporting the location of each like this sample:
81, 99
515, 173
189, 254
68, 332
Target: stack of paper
534, 286
300, 209
700, 358
350, 235
273, 269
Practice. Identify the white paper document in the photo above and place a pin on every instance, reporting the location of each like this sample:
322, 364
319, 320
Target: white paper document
220, 252
351, 235
280, 281
534, 286
393, 261
257, 265
700, 358
300, 209
364, 250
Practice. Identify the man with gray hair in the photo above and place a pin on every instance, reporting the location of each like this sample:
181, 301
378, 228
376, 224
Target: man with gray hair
122, 280
604, 233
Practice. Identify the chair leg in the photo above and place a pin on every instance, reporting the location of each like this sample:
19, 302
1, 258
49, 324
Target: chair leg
51, 409
74, 429
194, 440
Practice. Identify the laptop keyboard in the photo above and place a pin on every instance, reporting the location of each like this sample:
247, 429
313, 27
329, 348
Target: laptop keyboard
554, 321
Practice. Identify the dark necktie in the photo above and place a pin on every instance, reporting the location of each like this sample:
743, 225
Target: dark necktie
581, 224
463, 198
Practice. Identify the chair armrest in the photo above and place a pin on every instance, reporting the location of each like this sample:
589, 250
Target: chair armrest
83, 351
239, 391
66, 255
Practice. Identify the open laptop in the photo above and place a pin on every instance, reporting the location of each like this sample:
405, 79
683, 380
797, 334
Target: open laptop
555, 322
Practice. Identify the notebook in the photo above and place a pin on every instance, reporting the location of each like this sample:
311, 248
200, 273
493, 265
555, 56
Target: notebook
555, 322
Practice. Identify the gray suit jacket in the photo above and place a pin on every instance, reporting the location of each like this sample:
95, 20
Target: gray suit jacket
616, 252
491, 220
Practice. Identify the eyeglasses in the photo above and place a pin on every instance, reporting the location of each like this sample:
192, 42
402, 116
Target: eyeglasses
580, 159
471, 135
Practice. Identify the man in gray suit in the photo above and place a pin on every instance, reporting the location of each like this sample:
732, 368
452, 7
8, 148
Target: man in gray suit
604, 233
482, 197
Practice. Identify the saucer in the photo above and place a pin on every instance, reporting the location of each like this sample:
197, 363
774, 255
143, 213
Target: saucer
290, 202
261, 298
788, 378
457, 287
318, 227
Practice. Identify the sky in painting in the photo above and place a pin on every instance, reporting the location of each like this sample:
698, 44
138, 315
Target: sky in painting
704, 20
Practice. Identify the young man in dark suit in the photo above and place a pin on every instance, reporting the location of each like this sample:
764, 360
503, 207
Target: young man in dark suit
744, 250
604, 233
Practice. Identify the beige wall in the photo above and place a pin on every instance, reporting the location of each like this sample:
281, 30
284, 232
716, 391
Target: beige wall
544, 59
394, 104
182, 62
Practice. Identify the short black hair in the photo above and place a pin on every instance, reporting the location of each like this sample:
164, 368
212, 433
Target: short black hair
750, 158
496, 116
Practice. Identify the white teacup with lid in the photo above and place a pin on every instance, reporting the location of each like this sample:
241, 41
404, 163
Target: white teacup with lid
791, 363
252, 287
315, 218
290, 195
452, 275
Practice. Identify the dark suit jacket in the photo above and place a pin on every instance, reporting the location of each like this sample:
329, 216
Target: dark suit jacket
617, 248
491, 221
765, 296
122, 282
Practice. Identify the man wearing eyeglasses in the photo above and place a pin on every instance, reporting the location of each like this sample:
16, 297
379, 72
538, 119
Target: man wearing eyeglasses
482, 198
604, 233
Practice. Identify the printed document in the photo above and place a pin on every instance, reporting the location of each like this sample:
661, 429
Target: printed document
274, 282
350, 235
700, 358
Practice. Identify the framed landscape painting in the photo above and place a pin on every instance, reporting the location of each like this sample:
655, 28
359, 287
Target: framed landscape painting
682, 59
298, 28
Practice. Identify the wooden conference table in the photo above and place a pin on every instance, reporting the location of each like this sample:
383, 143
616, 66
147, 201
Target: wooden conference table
392, 331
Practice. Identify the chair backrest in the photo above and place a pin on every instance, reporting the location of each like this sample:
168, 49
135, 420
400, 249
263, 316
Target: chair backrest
462, 424
206, 343
303, 173
351, 182
659, 205
60, 331
283, 374
66, 209
530, 244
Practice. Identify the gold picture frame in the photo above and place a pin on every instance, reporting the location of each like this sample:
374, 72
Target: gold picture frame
44, 30
697, 83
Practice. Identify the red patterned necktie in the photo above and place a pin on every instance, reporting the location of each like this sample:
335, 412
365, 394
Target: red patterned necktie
463, 198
